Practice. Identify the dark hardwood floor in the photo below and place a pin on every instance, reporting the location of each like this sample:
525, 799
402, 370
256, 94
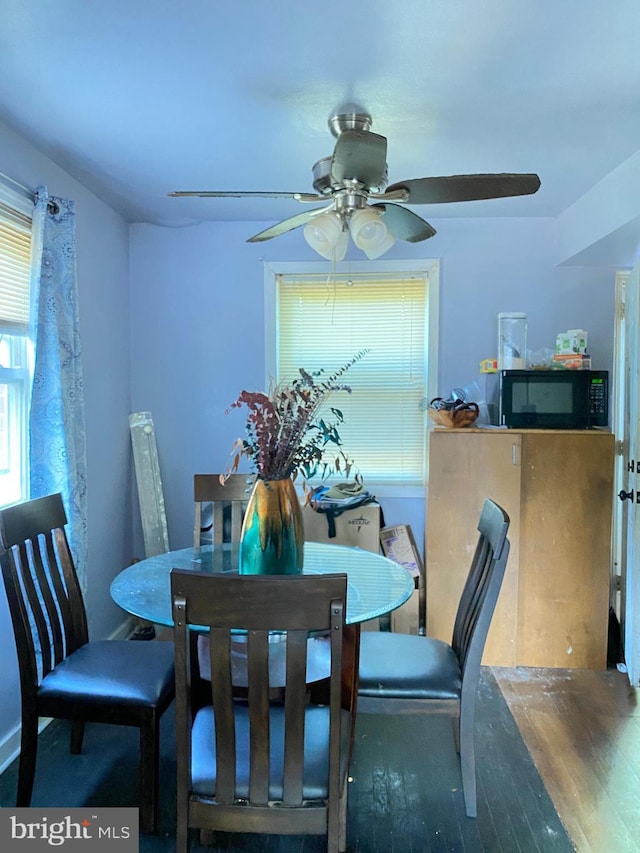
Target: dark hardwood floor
580, 729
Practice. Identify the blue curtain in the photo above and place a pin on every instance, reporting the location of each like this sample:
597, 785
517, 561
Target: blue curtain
57, 448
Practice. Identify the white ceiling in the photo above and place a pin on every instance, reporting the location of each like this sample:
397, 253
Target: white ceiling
139, 97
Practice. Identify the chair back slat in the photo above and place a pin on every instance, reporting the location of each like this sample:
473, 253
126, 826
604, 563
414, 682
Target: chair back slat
73, 610
222, 699
258, 702
481, 589
36, 579
472, 596
229, 499
26, 638
266, 611
48, 613
58, 587
58, 606
295, 701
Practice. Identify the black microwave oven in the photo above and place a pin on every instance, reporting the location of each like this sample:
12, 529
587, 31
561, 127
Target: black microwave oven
553, 399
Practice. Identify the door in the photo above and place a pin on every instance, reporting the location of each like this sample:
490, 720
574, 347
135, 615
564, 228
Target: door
629, 492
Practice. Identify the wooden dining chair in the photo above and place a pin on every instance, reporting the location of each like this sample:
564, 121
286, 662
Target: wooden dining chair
227, 502
403, 673
62, 674
254, 765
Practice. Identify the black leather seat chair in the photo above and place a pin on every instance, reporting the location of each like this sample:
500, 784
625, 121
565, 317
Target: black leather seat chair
403, 673
62, 674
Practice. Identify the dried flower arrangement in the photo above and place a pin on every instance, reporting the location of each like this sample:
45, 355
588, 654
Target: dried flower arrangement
286, 435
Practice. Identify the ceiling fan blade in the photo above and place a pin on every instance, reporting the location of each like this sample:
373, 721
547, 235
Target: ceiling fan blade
467, 187
405, 224
361, 156
241, 194
288, 224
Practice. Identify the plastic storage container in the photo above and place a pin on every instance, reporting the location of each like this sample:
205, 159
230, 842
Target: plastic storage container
512, 341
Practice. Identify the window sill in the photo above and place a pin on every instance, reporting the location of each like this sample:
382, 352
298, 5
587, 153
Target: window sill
385, 490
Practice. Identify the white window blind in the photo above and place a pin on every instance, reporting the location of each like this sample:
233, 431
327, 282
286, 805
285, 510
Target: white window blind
322, 323
15, 353
15, 261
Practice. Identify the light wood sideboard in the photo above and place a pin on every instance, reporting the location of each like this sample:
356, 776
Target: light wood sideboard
557, 487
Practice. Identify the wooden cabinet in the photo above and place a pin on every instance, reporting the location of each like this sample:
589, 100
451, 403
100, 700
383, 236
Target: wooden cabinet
556, 486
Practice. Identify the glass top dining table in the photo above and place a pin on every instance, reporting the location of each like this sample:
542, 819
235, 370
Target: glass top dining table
375, 584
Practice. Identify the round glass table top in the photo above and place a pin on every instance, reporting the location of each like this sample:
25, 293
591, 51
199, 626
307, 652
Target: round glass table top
375, 584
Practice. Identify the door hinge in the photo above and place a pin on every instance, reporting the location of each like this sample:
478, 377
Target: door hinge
619, 448
622, 310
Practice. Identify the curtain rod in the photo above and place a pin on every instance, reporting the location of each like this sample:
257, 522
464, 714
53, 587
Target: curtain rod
27, 191
52, 206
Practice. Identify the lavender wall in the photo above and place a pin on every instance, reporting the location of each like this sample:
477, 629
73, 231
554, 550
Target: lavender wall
198, 327
103, 278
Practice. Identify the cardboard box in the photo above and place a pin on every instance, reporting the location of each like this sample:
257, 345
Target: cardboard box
406, 619
572, 341
398, 544
572, 361
359, 527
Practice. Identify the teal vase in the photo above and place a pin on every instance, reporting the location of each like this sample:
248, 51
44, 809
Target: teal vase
272, 537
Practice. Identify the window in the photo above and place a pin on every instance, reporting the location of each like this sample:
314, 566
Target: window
317, 321
15, 348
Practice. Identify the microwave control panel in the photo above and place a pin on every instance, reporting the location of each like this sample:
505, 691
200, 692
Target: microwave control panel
597, 397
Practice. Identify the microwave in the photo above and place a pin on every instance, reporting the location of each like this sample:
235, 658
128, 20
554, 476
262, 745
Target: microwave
553, 399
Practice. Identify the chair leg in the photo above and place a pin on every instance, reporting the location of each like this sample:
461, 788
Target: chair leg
182, 827
455, 721
333, 835
77, 736
27, 763
337, 820
342, 838
149, 760
468, 760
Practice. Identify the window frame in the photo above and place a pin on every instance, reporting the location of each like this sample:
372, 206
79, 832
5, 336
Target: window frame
18, 378
429, 268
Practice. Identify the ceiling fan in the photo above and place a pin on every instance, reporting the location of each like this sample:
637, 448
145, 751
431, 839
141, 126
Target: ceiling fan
355, 175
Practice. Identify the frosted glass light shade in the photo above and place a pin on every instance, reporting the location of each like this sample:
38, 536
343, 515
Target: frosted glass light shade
382, 247
369, 233
325, 236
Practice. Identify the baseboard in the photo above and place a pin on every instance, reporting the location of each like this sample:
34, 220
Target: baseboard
10, 744
125, 630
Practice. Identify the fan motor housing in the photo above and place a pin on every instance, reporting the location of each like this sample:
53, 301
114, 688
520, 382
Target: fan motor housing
324, 185
349, 121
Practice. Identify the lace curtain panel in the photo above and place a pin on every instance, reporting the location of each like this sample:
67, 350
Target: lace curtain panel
57, 446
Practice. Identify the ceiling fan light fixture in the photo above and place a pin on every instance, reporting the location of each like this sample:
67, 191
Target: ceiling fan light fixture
356, 173
381, 248
326, 236
369, 233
